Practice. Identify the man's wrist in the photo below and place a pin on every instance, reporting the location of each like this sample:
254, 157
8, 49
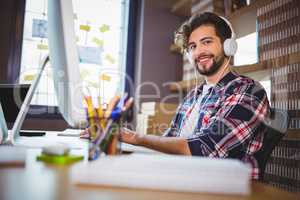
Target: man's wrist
139, 139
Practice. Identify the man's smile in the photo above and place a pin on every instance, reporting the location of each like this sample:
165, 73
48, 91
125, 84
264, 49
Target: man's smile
204, 59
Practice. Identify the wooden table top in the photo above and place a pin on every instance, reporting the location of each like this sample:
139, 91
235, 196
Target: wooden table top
37, 180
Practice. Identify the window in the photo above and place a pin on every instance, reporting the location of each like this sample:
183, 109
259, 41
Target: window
101, 34
247, 50
247, 54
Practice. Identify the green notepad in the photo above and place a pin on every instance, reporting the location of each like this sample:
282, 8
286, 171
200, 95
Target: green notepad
61, 160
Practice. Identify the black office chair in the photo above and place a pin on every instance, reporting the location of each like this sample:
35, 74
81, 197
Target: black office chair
277, 128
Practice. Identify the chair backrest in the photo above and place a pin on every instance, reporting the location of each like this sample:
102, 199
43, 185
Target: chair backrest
277, 128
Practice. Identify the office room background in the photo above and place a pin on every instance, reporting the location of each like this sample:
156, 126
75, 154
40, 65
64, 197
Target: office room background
141, 46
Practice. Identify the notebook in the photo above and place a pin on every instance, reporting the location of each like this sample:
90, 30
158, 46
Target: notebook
11, 156
166, 172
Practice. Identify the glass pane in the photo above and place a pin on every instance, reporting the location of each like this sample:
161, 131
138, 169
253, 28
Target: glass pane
100, 40
247, 50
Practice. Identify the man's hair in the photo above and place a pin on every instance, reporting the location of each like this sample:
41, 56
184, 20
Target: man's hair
222, 29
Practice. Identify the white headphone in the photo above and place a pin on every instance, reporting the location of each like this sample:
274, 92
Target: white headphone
229, 45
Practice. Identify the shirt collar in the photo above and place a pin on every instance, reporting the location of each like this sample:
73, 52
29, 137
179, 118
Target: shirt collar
224, 81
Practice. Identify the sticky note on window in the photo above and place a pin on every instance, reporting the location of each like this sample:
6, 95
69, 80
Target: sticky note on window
42, 47
104, 28
98, 41
85, 28
29, 77
105, 77
110, 58
39, 28
84, 73
91, 55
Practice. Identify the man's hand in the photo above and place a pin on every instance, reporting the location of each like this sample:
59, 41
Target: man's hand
129, 136
171, 145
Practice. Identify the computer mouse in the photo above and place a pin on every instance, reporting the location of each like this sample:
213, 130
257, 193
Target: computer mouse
56, 150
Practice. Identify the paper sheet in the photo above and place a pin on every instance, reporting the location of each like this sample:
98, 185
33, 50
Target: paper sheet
166, 172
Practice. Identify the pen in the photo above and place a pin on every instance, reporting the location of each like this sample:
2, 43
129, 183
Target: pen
106, 140
112, 145
91, 116
102, 120
97, 144
117, 111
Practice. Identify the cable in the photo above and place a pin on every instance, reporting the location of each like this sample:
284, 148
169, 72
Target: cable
195, 94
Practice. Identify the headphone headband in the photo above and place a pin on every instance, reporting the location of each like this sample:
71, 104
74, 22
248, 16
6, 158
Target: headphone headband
230, 26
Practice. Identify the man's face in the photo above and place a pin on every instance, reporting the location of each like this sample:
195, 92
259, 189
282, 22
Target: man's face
206, 50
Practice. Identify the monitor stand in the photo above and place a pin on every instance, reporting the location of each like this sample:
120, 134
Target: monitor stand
15, 132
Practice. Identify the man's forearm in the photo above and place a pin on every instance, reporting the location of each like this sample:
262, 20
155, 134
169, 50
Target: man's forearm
172, 145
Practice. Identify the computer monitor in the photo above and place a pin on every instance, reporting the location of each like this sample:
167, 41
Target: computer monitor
11, 98
65, 62
64, 59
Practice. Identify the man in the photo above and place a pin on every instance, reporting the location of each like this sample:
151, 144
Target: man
224, 117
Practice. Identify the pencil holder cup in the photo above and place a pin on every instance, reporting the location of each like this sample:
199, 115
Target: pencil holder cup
111, 144
106, 142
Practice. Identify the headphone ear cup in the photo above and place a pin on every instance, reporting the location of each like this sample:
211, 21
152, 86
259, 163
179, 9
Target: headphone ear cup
230, 47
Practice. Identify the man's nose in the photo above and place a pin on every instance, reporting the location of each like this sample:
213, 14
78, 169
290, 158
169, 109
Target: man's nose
198, 51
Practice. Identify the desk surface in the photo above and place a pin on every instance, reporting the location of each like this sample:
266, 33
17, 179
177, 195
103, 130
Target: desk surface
40, 181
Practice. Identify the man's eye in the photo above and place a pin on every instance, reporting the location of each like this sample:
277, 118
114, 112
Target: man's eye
191, 48
206, 42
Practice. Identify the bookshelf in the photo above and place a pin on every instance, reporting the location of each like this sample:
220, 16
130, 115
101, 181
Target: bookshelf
249, 8
182, 8
279, 50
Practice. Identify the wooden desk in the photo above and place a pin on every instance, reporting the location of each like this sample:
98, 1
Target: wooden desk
40, 181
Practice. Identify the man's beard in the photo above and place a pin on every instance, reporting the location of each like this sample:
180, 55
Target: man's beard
214, 68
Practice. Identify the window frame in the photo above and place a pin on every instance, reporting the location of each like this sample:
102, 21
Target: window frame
15, 68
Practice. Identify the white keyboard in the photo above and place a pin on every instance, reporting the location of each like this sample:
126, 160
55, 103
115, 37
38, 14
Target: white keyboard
52, 137
137, 149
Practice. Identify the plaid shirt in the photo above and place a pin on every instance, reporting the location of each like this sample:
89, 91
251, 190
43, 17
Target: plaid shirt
230, 123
